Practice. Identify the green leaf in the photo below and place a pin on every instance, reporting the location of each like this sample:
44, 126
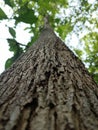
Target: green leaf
11, 60
12, 44
2, 14
9, 2
8, 63
12, 32
26, 15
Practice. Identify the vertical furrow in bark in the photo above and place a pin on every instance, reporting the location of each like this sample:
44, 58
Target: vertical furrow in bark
93, 101
40, 120
13, 118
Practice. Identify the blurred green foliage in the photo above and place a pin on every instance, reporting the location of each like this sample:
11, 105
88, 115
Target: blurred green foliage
66, 17
91, 50
2, 15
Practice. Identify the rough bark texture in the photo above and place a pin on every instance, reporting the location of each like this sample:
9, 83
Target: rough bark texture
48, 88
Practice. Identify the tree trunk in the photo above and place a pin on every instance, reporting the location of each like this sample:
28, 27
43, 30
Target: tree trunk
48, 88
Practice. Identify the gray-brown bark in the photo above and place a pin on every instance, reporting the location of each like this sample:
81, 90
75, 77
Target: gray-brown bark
48, 88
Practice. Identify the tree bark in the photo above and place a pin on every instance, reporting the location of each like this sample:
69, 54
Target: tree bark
48, 88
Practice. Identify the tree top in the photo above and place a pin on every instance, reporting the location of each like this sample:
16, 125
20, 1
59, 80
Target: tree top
46, 21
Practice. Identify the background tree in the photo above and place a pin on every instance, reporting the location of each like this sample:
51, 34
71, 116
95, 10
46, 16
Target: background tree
66, 17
